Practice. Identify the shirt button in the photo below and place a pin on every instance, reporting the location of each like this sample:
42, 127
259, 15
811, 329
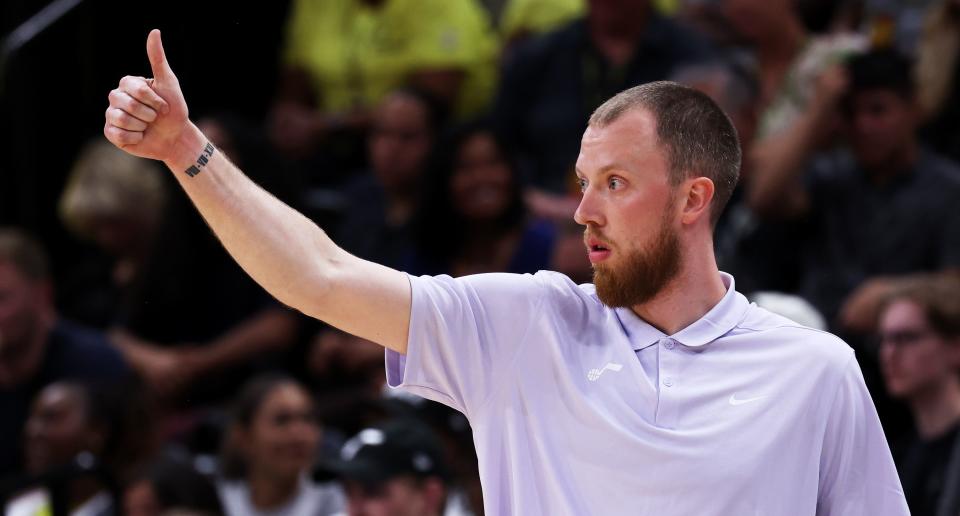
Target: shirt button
668, 344
668, 381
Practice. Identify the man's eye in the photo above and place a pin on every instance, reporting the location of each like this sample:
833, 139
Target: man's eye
615, 183
582, 184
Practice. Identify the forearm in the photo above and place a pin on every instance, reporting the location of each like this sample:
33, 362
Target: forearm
775, 183
268, 330
283, 251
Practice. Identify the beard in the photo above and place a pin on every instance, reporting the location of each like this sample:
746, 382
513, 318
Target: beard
644, 273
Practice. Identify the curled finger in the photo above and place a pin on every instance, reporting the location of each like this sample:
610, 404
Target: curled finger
139, 88
133, 107
121, 137
119, 118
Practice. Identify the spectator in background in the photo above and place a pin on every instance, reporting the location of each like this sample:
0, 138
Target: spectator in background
116, 201
758, 252
343, 56
522, 19
376, 225
167, 263
919, 330
938, 78
882, 208
81, 439
790, 61
454, 438
167, 486
272, 442
396, 469
36, 346
801, 79
379, 205
472, 217
552, 83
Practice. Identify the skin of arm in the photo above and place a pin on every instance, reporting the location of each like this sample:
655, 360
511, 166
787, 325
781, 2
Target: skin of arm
282, 250
774, 188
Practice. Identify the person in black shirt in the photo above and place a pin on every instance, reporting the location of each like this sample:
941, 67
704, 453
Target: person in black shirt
36, 346
880, 207
919, 334
551, 84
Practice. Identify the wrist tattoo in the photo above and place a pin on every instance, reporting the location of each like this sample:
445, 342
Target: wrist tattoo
201, 161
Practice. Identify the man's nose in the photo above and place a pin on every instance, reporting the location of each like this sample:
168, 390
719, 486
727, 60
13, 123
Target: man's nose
588, 211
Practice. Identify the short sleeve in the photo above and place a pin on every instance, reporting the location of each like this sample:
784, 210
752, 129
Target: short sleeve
857, 473
464, 335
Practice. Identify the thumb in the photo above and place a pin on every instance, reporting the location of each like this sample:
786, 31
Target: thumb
158, 59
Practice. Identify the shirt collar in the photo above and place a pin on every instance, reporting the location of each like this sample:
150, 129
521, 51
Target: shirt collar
722, 318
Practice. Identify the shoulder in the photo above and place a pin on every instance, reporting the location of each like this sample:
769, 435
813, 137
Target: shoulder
328, 497
82, 351
939, 169
568, 301
793, 340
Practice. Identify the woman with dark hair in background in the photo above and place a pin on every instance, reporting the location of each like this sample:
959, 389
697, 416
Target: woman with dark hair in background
169, 486
472, 216
270, 446
375, 224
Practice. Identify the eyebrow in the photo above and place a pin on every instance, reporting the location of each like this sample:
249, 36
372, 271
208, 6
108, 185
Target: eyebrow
604, 169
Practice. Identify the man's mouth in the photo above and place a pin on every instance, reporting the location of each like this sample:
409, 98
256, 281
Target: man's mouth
597, 251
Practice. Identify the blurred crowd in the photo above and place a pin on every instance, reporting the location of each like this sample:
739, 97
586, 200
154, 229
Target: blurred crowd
151, 376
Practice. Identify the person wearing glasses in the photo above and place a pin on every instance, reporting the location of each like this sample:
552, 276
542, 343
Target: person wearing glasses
919, 334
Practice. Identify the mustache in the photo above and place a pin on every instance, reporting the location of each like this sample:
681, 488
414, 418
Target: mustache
594, 234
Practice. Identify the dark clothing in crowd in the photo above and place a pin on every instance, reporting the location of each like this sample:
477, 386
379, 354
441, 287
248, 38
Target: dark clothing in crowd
189, 292
860, 229
533, 253
72, 353
924, 467
760, 253
364, 230
551, 84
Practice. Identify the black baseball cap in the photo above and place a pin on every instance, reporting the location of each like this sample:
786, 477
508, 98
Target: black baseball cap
378, 454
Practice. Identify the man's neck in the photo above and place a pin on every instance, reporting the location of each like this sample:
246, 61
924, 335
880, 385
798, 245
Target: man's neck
938, 410
687, 298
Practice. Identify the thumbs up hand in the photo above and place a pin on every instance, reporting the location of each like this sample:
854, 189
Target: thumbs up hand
147, 117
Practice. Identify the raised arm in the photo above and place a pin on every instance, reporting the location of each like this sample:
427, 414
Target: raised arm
775, 187
286, 253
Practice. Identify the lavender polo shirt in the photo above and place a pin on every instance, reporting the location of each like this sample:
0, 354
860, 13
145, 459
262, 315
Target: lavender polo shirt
581, 409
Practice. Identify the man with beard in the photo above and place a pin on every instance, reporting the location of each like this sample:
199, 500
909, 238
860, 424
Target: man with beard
660, 390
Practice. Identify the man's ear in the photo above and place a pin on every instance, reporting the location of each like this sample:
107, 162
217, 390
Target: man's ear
697, 199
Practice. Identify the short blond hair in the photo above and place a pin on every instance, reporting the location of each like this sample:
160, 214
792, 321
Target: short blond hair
697, 137
107, 182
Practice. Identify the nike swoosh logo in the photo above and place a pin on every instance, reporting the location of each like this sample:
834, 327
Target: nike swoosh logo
738, 401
